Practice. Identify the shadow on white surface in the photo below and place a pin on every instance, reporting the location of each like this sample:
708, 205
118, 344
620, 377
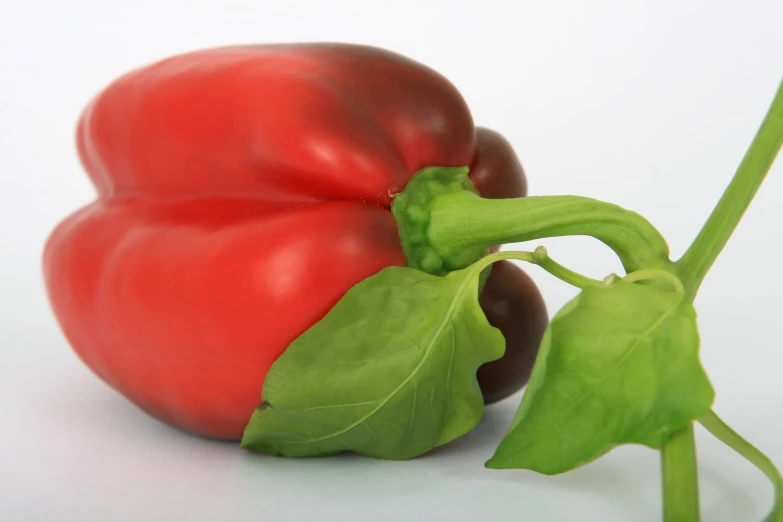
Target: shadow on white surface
92, 455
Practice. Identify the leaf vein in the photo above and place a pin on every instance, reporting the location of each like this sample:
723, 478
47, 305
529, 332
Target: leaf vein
445, 322
329, 406
639, 339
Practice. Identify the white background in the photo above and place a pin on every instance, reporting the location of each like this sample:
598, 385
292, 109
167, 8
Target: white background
646, 104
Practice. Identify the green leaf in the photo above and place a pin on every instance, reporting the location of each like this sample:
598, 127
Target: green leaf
619, 364
389, 372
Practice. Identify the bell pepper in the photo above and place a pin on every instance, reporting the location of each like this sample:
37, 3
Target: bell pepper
241, 192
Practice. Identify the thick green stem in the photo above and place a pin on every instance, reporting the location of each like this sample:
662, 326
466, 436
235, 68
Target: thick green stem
463, 221
680, 478
734, 440
700, 256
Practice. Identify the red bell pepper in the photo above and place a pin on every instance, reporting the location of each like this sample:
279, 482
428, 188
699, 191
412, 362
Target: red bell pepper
241, 192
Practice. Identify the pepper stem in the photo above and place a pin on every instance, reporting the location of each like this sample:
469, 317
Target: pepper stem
461, 221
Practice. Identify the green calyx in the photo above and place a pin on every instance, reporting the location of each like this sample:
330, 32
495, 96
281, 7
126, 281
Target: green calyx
412, 209
446, 225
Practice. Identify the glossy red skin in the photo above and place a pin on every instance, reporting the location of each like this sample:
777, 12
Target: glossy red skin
241, 192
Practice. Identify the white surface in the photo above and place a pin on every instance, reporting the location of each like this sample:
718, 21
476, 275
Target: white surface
646, 104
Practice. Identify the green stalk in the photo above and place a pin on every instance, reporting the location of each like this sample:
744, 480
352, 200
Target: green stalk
697, 260
734, 440
541, 258
680, 478
463, 221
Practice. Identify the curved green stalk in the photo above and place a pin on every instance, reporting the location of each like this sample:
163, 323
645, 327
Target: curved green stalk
461, 221
541, 258
656, 274
734, 440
